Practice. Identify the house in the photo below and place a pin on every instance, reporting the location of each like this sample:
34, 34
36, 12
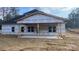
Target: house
34, 23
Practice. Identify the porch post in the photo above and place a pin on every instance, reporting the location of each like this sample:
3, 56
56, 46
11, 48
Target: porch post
38, 29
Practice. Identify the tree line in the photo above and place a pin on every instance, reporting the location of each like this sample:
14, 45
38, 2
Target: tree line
73, 17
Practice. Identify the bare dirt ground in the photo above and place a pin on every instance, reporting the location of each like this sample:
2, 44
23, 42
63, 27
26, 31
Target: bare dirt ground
11, 43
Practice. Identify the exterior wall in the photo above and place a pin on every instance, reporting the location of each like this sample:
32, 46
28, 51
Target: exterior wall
61, 28
26, 30
43, 29
6, 29
0, 28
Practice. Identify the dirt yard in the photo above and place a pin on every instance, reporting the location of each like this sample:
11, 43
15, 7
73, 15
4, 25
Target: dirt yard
12, 43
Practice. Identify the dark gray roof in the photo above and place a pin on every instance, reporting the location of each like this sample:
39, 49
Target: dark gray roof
32, 12
11, 21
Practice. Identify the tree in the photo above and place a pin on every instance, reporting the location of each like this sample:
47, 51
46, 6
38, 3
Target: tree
74, 19
8, 12
14, 11
3, 11
8, 17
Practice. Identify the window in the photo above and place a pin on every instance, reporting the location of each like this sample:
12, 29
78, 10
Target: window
0, 27
54, 28
13, 29
50, 29
22, 29
30, 29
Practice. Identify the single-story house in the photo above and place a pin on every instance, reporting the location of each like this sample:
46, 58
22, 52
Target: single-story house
34, 23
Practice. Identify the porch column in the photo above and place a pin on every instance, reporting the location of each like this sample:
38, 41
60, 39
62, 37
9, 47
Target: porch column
38, 29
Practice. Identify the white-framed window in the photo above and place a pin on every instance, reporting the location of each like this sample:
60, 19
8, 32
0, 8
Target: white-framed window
52, 29
22, 29
30, 29
0, 27
13, 29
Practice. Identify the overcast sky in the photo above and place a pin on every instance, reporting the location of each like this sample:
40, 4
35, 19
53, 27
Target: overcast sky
62, 12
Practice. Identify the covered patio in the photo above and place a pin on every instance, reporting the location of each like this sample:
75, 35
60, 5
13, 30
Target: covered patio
40, 29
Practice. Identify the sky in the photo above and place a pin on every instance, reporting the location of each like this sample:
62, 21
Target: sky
58, 11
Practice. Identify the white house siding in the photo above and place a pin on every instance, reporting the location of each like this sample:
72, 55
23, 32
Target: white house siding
40, 19
26, 30
61, 28
6, 29
43, 29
